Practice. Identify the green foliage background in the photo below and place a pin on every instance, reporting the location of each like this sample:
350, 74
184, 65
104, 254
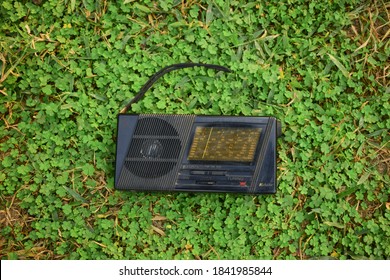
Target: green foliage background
68, 66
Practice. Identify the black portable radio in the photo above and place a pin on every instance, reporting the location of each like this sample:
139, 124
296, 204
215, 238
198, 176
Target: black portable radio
157, 152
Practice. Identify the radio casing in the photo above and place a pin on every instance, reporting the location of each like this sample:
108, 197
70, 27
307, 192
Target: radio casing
192, 153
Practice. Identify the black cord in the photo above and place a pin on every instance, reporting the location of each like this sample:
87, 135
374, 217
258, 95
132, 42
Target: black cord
162, 72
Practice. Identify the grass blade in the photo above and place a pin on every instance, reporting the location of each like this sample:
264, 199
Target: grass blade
339, 65
334, 224
75, 195
363, 178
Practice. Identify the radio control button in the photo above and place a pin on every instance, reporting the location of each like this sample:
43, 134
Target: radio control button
218, 173
198, 172
205, 182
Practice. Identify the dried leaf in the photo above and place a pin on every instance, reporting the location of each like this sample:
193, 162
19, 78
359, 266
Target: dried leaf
363, 45
159, 218
159, 231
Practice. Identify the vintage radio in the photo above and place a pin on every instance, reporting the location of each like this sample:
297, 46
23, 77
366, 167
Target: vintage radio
234, 154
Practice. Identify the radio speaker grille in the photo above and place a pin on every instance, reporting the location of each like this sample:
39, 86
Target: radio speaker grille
152, 126
155, 150
149, 169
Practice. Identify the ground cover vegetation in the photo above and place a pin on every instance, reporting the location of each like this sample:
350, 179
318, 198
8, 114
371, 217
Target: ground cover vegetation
68, 66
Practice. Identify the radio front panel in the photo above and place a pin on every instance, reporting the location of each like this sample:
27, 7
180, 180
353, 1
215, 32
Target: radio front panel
196, 153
